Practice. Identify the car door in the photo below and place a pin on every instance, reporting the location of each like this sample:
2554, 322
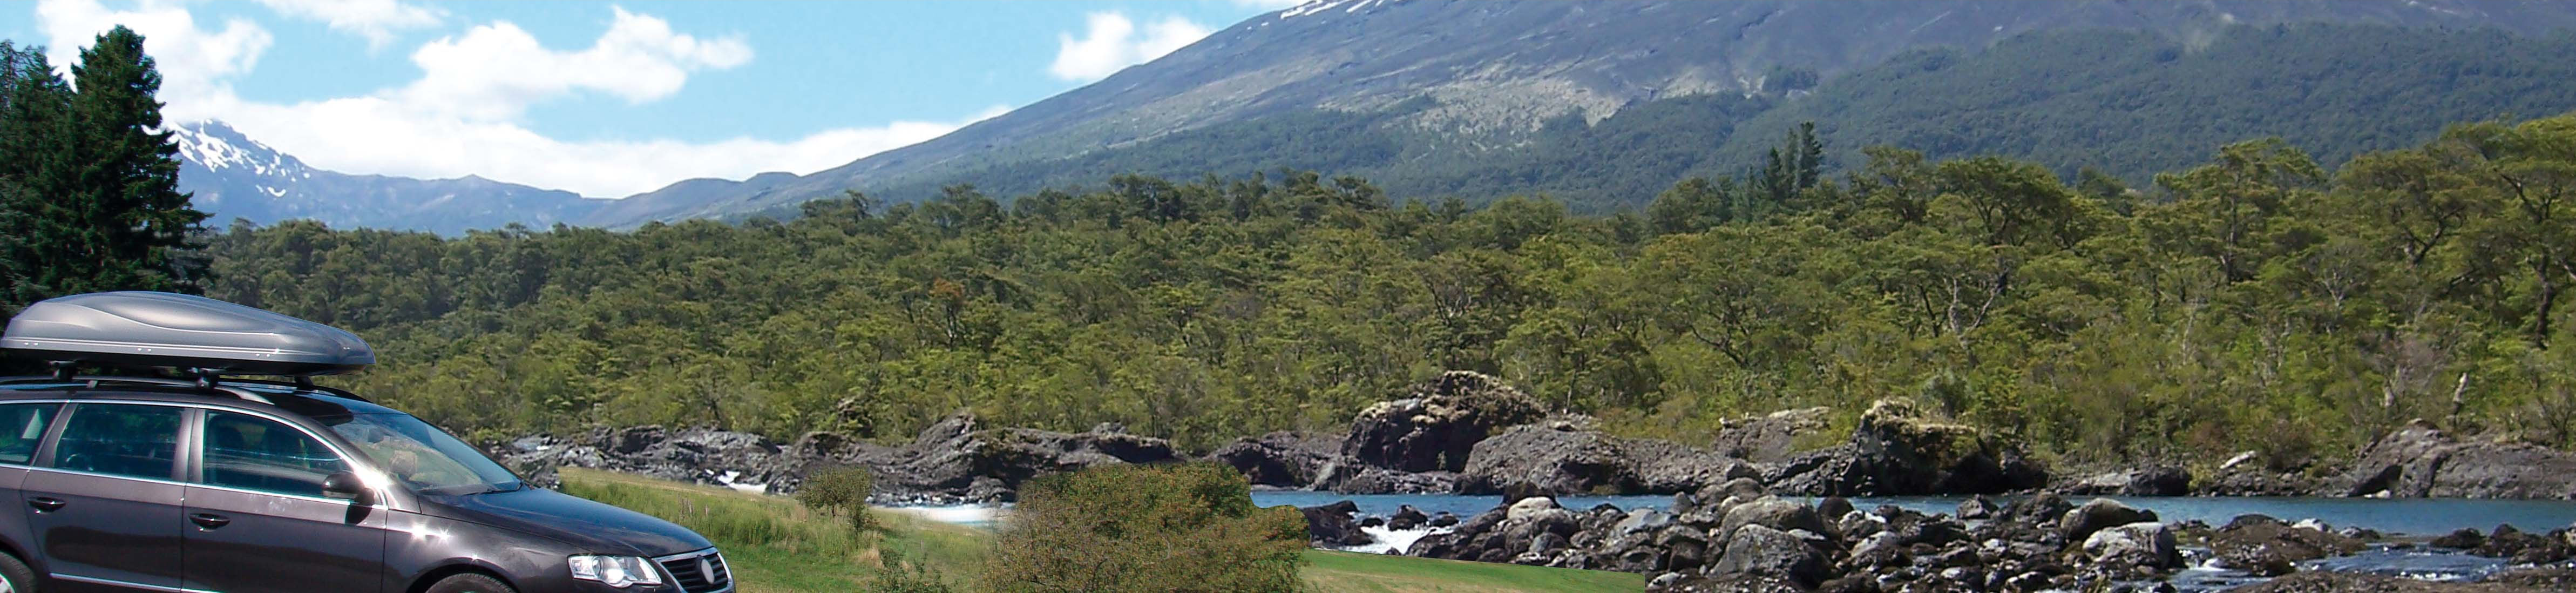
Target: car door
104, 506
22, 431
258, 520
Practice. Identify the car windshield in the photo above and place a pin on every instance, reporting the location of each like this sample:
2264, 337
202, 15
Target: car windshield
422, 456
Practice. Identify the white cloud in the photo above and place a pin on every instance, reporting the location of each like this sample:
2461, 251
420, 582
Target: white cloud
462, 116
495, 71
1112, 42
375, 20
193, 62
381, 135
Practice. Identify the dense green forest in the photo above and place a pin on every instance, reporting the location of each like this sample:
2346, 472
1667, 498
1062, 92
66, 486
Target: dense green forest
2129, 103
2246, 302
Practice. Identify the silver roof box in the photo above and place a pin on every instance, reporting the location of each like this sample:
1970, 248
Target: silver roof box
164, 330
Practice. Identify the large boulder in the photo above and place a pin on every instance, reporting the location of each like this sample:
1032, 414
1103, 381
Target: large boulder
2161, 480
1771, 438
1763, 551
2147, 545
2097, 515
1283, 459
1332, 525
2264, 546
1898, 450
1438, 424
1560, 459
1774, 513
2419, 460
1555, 462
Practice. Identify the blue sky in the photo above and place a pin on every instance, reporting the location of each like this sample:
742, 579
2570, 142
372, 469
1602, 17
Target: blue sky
609, 99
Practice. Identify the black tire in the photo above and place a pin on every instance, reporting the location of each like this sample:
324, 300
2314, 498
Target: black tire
470, 583
20, 578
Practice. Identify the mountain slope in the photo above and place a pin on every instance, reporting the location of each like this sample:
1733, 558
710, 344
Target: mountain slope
1451, 78
233, 176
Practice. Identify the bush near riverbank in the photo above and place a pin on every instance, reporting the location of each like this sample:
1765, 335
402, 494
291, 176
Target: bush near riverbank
778, 546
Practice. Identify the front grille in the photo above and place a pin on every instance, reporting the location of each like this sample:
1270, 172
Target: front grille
698, 572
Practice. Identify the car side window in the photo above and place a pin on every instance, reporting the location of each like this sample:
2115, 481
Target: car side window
121, 440
254, 453
22, 427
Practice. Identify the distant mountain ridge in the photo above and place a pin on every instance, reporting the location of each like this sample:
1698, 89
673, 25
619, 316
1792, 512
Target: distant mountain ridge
233, 176
1449, 78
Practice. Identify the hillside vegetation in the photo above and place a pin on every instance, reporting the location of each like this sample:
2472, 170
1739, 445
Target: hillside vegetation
2246, 303
2130, 103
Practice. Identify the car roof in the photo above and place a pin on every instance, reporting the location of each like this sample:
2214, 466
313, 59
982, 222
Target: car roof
310, 403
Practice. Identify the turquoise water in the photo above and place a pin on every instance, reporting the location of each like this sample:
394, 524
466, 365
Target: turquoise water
2420, 517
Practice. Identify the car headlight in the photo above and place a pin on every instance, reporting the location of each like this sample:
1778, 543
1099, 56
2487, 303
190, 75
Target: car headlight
616, 571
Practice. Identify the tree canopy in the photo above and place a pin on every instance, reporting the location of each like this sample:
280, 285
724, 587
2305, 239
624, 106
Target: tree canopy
2250, 302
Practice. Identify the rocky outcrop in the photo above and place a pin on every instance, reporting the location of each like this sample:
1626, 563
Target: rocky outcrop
1898, 450
2159, 480
959, 459
953, 460
1771, 438
1748, 541
700, 455
1559, 459
2264, 546
1436, 426
2420, 460
1282, 459
1333, 525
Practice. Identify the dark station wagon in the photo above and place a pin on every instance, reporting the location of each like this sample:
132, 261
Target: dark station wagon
201, 480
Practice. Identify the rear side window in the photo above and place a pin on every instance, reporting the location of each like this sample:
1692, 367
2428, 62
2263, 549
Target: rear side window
121, 440
254, 453
22, 427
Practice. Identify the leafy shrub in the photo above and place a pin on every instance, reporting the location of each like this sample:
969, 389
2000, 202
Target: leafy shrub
1178, 528
840, 491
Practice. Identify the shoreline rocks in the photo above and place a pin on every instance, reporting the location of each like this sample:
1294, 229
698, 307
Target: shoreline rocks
1762, 541
2420, 461
1898, 450
1467, 433
955, 460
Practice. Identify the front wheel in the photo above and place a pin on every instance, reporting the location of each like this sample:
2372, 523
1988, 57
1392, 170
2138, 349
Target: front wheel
15, 577
468, 583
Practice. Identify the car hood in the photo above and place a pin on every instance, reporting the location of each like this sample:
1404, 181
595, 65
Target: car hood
577, 521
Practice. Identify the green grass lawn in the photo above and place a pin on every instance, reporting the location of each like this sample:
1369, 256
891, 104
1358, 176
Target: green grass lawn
778, 546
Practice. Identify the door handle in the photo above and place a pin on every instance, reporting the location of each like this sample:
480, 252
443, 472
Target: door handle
209, 520
46, 504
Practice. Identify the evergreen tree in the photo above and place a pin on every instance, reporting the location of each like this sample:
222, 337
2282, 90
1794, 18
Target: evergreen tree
35, 109
127, 225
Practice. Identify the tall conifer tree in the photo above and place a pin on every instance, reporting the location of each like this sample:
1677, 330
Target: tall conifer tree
130, 226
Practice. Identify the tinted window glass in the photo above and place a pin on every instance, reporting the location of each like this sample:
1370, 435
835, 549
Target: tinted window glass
423, 456
22, 426
250, 452
122, 440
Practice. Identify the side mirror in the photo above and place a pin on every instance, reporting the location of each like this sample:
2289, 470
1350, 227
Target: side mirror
344, 485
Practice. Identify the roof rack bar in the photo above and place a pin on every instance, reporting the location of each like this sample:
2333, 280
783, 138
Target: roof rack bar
95, 380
